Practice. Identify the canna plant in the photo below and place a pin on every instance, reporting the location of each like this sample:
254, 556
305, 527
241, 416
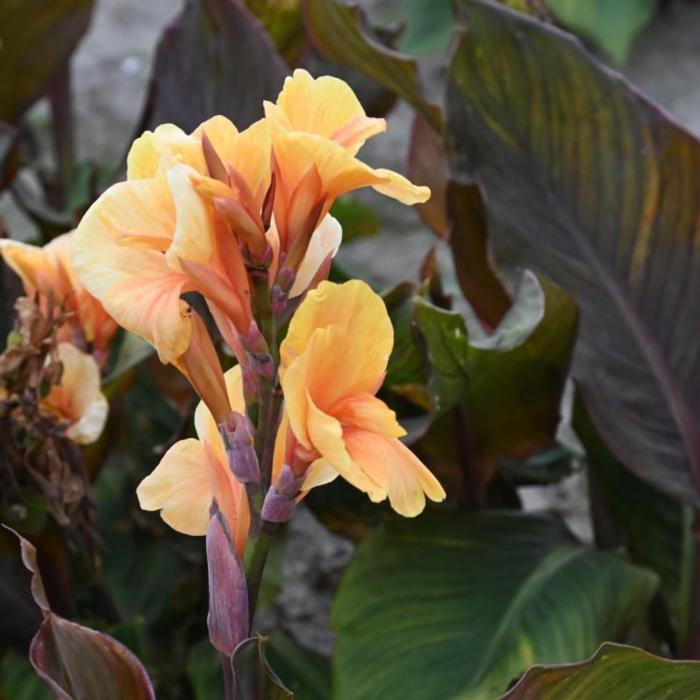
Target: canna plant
241, 218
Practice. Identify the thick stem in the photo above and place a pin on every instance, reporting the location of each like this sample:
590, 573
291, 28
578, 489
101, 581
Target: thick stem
229, 685
268, 414
255, 557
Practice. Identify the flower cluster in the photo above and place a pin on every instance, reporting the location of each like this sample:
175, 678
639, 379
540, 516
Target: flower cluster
83, 339
241, 218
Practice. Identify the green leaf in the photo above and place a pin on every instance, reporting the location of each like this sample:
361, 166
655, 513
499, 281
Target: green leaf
36, 41
307, 673
253, 675
356, 219
591, 185
18, 680
204, 671
284, 23
132, 350
615, 671
215, 58
611, 25
338, 31
430, 27
656, 528
459, 604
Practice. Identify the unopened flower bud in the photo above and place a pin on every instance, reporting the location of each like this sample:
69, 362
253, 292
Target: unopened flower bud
281, 496
238, 434
228, 619
254, 341
280, 290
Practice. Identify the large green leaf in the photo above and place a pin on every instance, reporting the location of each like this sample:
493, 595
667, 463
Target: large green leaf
595, 187
612, 25
616, 671
656, 529
215, 58
36, 41
337, 30
459, 604
508, 385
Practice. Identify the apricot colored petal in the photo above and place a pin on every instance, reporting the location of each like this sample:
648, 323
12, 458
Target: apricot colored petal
201, 365
368, 412
134, 284
193, 237
296, 152
29, 262
326, 435
222, 133
204, 423
389, 463
398, 187
319, 473
144, 158
78, 398
353, 135
248, 151
324, 242
323, 106
230, 496
280, 451
179, 488
352, 306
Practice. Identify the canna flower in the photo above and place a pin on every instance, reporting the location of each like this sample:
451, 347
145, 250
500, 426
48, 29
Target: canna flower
77, 399
195, 472
317, 127
48, 271
333, 361
147, 241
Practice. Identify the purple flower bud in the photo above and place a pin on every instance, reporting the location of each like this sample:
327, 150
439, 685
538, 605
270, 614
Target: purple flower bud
280, 290
228, 619
238, 434
281, 497
254, 341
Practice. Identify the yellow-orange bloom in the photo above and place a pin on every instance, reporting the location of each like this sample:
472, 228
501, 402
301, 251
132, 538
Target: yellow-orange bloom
317, 127
48, 271
148, 240
77, 399
333, 361
195, 472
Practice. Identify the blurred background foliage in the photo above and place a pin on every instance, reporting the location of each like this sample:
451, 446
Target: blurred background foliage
547, 337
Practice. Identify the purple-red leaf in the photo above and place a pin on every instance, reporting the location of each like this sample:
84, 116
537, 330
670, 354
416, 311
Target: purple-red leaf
215, 58
77, 662
36, 41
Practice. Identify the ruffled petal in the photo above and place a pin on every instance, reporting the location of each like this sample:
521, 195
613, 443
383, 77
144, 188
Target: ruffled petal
326, 106
31, 263
319, 473
389, 463
78, 398
368, 412
144, 158
134, 283
400, 188
326, 435
179, 487
204, 423
352, 307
